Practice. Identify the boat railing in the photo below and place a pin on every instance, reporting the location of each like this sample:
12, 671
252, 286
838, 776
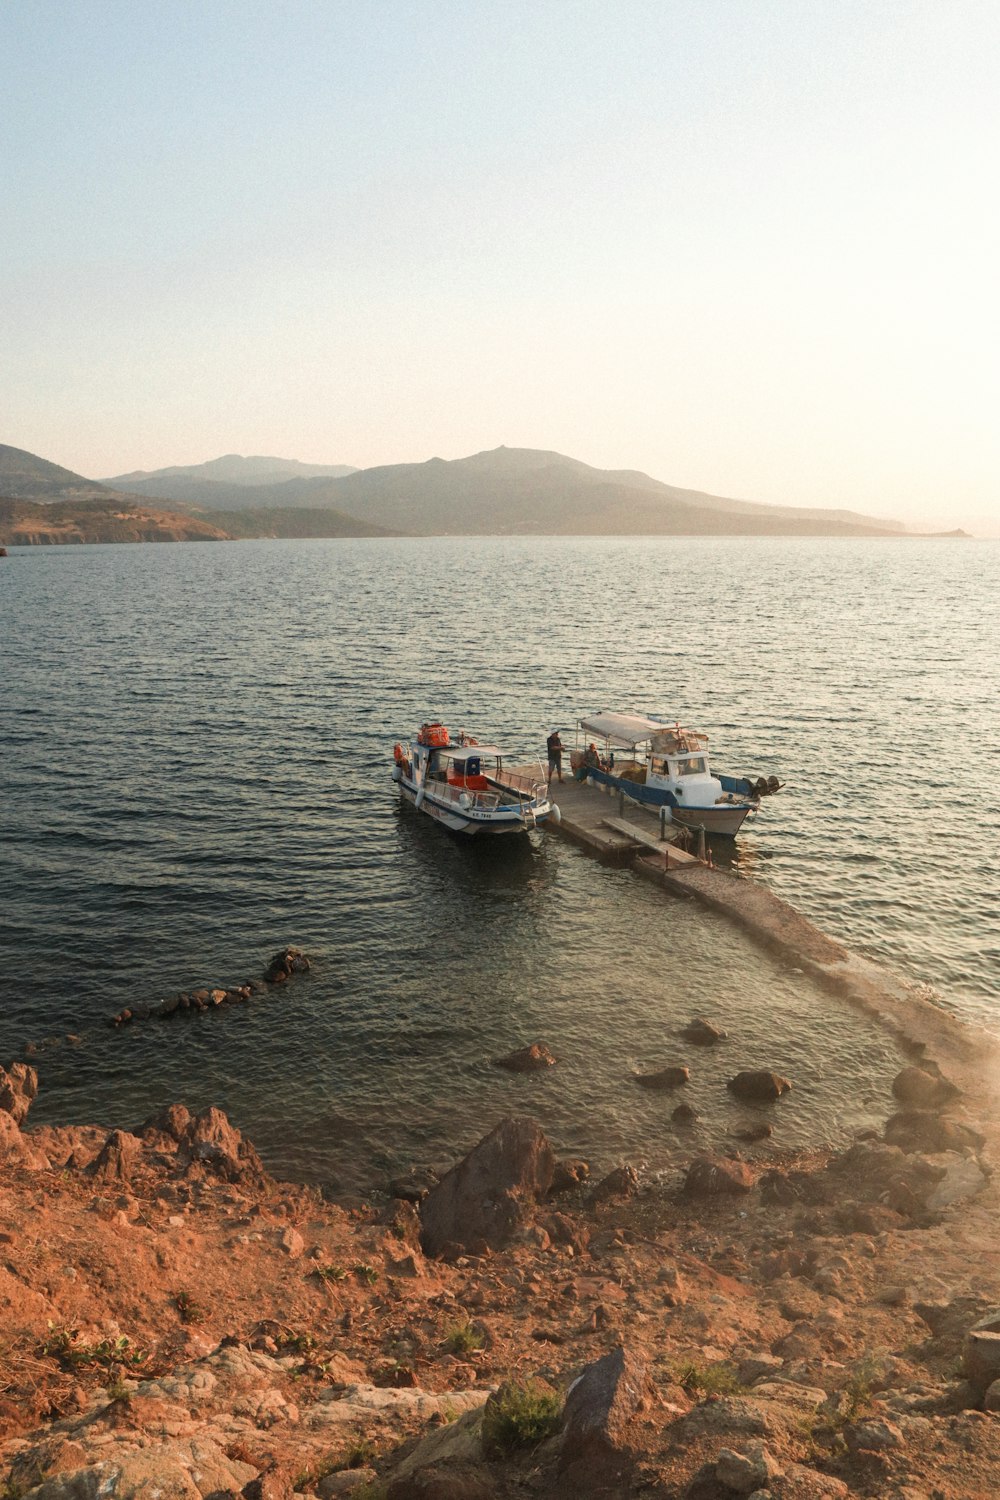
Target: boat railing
532, 786
518, 787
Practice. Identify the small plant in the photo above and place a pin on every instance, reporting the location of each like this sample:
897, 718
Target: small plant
708, 1380
298, 1343
463, 1338
190, 1311
359, 1455
859, 1390
520, 1414
65, 1345
330, 1273
118, 1390
366, 1273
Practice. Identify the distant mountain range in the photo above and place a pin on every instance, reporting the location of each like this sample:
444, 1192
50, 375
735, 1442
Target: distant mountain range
42, 503
507, 491
232, 468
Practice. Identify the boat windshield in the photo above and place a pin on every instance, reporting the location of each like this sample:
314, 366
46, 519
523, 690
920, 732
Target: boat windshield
692, 765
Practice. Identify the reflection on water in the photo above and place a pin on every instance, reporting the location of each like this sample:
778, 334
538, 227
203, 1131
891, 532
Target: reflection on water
197, 743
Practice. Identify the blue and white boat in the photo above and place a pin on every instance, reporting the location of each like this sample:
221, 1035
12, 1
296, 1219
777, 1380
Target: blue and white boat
666, 766
466, 786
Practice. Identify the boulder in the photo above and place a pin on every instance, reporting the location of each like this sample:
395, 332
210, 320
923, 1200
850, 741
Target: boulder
620, 1182
117, 1159
755, 1133
272, 1483
601, 1408
742, 1473
18, 1087
18, 1148
483, 1200
284, 964
874, 1435
924, 1130
184, 1469
414, 1185
715, 1176
981, 1352
684, 1114
444, 1463
919, 1088
758, 1085
210, 1141
702, 1033
664, 1078
531, 1059
567, 1175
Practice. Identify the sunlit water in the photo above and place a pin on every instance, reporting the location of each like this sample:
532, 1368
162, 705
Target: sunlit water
194, 747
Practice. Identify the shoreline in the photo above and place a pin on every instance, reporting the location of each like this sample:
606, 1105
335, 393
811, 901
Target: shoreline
815, 1307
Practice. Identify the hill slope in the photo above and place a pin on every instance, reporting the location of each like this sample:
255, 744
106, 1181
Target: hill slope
40, 502
34, 522
529, 491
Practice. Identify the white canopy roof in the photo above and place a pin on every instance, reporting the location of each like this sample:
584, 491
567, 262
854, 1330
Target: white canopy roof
463, 752
624, 730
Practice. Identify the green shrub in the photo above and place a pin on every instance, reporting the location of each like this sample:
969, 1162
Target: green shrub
520, 1414
718, 1379
463, 1338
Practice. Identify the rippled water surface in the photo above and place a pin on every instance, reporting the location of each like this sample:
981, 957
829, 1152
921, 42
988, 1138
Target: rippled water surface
194, 743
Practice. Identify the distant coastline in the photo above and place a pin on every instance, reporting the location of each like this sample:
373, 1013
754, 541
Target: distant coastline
504, 492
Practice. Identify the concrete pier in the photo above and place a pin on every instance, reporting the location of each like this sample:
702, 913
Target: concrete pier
622, 832
618, 831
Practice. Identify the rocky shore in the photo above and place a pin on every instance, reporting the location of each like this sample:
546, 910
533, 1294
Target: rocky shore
177, 1324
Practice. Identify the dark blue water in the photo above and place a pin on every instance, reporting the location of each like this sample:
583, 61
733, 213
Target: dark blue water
194, 748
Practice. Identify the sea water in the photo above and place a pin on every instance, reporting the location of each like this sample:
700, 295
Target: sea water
195, 744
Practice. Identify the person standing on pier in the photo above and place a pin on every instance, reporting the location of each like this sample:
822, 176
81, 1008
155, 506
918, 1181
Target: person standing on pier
554, 747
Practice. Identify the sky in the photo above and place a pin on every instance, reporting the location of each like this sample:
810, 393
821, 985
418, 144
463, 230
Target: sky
746, 246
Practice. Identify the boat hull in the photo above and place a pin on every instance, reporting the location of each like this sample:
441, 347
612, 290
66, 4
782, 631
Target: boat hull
471, 823
725, 818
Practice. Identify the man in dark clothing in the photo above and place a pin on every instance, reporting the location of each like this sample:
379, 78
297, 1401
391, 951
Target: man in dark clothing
554, 747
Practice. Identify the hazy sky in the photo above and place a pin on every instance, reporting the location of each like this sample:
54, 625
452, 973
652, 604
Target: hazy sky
751, 248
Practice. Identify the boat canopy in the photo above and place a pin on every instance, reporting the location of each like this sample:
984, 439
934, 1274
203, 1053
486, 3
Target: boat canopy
463, 752
623, 730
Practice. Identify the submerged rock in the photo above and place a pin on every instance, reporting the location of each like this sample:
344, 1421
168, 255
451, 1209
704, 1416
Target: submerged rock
702, 1033
665, 1078
922, 1089
924, 1130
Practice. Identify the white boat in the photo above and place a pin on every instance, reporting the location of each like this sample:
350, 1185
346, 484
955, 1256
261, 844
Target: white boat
467, 787
666, 766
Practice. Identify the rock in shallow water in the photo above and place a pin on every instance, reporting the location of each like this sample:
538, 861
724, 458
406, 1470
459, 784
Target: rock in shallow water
665, 1078
758, 1085
531, 1059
